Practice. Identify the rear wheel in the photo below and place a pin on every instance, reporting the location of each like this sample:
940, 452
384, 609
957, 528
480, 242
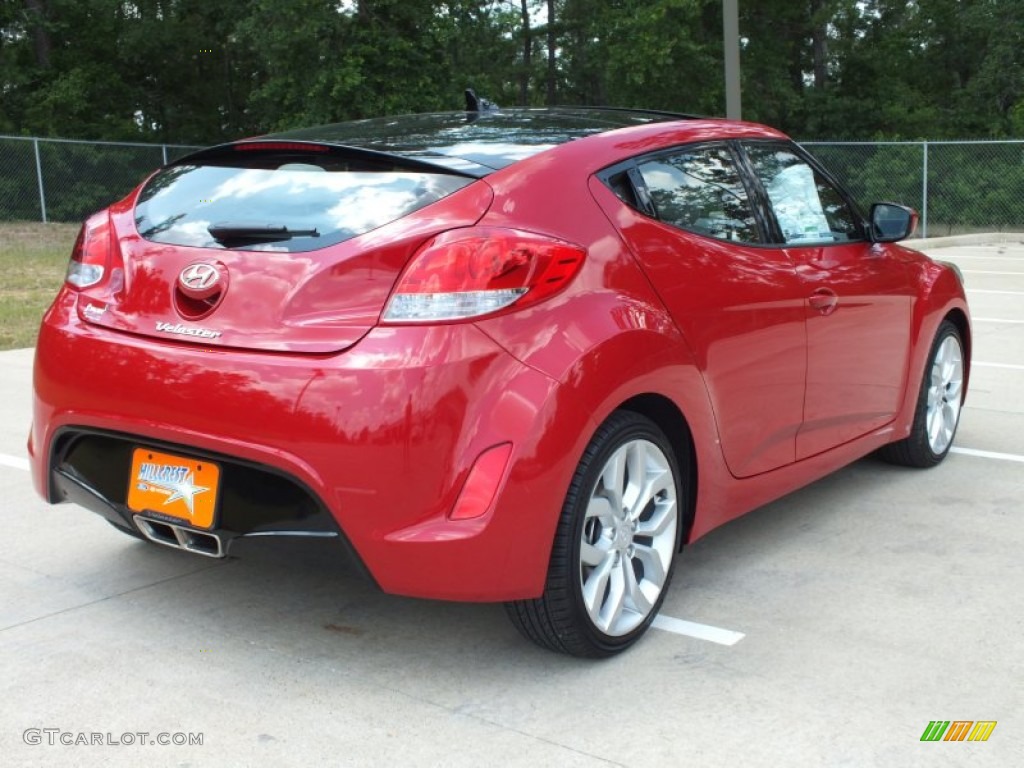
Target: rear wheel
938, 404
615, 546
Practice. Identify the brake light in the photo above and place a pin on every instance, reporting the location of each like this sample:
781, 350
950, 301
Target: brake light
90, 258
280, 146
471, 272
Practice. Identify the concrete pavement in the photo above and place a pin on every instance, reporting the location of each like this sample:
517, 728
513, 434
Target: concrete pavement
873, 602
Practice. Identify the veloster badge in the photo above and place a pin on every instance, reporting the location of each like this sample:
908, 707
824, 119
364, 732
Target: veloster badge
184, 330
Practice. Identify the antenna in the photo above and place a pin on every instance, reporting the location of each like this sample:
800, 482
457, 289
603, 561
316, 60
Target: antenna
476, 103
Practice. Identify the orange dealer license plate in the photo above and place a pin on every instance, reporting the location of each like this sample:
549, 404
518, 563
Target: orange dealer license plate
173, 486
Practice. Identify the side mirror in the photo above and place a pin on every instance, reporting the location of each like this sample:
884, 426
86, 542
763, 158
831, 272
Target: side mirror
891, 222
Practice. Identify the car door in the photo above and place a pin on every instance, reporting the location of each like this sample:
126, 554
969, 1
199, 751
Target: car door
689, 219
858, 300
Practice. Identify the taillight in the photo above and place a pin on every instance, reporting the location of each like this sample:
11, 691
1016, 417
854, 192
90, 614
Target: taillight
471, 272
90, 258
279, 146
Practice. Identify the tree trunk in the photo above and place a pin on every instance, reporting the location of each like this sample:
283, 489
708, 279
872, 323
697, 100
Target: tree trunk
819, 44
551, 53
38, 13
524, 77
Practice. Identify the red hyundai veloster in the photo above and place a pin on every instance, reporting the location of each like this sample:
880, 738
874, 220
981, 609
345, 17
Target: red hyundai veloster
517, 355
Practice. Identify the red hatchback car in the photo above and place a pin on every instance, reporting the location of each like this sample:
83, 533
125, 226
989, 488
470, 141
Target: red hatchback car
517, 355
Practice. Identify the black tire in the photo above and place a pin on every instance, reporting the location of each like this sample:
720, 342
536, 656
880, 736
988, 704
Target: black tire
559, 620
916, 450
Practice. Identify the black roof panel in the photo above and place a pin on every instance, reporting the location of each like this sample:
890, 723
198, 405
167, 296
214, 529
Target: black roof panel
475, 143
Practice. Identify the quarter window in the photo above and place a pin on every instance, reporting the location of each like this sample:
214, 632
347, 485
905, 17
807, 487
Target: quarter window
700, 190
809, 210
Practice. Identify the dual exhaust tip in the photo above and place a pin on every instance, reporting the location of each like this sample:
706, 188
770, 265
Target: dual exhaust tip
179, 537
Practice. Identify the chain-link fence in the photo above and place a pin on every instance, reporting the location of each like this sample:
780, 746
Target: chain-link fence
64, 180
963, 186
957, 186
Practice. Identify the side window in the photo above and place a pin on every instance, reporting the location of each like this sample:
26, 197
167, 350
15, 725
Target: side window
808, 208
700, 190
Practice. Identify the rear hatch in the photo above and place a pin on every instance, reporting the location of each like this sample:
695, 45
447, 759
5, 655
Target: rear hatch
272, 245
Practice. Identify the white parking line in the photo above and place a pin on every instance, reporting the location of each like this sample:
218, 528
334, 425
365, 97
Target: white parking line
986, 272
982, 256
666, 623
699, 631
1000, 293
675, 625
987, 454
1011, 366
994, 320
17, 462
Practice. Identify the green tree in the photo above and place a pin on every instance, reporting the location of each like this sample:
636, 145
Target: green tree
201, 71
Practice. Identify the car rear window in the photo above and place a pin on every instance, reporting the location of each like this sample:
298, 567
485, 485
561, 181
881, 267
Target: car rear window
311, 199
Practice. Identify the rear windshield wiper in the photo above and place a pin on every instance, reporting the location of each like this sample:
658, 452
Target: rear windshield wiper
225, 233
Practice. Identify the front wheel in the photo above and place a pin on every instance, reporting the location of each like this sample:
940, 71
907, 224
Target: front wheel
615, 546
938, 404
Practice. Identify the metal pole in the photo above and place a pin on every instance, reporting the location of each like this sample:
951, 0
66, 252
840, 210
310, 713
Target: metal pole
731, 40
39, 178
165, 153
924, 193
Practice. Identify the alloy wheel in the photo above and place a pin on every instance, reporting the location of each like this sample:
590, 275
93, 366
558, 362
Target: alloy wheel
628, 537
945, 392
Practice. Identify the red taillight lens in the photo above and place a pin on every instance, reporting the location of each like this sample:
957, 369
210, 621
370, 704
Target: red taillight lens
90, 257
471, 272
280, 146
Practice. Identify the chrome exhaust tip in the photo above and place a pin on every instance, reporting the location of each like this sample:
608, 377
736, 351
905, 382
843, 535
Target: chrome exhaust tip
179, 537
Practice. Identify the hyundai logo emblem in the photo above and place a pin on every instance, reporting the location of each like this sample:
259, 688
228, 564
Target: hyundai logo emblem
199, 280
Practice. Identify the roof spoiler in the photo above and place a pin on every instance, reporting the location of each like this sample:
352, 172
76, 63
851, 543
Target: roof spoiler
238, 152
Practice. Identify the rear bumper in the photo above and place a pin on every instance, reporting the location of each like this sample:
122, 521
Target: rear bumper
91, 468
379, 439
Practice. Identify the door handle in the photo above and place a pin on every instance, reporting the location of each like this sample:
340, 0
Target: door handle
824, 300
